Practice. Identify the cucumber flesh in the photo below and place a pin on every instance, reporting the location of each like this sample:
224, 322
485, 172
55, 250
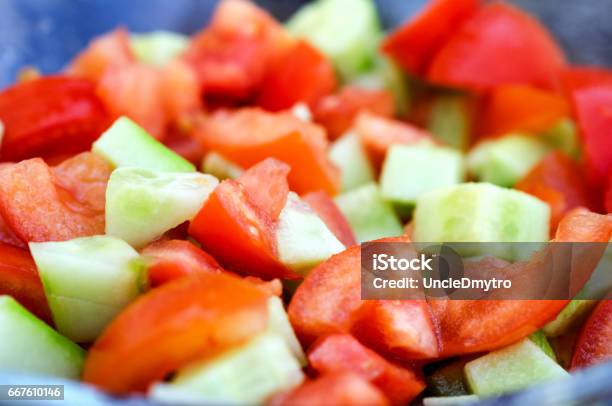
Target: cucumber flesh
512, 368
142, 204
157, 48
278, 323
570, 316
564, 137
302, 238
506, 160
29, 345
355, 166
450, 400
450, 120
370, 216
125, 143
87, 281
220, 167
539, 339
409, 171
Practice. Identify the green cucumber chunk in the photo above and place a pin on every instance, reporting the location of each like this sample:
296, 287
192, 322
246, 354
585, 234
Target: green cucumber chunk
355, 166
347, 31
220, 167
570, 316
448, 379
87, 281
512, 368
142, 204
539, 339
125, 143
506, 160
450, 120
411, 170
302, 238
370, 216
29, 345
278, 323
450, 400
157, 48
564, 137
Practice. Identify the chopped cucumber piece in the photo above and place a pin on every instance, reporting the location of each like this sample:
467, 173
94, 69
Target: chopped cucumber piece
564, 137
512, 368
158, 47
29, 345
570, 316
278, 323
142, 204
302, 238
87, 281
450, 120
370, 216
387, 75
220, 167
450, 400
506, 160
246, 375
411, 170
480, 212
539, 339
127, 144
448, 380
347, 31
355, 166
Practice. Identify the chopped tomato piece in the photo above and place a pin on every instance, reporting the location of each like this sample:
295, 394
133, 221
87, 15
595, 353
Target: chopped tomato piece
36, 210
248, 135
266, 185
180, 90
179, 138
7, 236
377, 134
300, 74
48, 116
337, 112
582, 225
577, 77
558, 181
189, 319
112, 49
415, 43
237, 233
593, 345
608, 196
19, 278
499, 45
343, 353
326, 208
273, 287
340, 389
593, 106
521, 108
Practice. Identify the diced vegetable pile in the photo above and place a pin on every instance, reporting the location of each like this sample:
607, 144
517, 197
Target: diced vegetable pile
180, 217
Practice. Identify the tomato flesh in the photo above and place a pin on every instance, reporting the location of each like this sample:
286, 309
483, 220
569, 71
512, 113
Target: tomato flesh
326, 208
267, 186
593, 345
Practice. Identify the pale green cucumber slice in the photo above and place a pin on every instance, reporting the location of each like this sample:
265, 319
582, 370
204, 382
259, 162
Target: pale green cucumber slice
506, 160
220, 167
87, 282
278, 323
569, 317
450, 400
539, 339
512, 368
157, 48
127, 144
355, 166
29, 345
411, 170
370, 216
450, 120
302, 238
142, 204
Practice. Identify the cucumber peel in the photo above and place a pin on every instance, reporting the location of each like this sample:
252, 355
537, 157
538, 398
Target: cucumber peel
539, 339
570, 316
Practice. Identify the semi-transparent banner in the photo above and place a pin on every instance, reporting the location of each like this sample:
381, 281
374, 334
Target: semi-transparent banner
486, 271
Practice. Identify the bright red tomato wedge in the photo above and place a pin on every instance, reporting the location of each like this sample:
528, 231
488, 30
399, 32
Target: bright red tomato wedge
415, 43
19, 278
577, 77
593, 345
300, 74
337, 112
49, 116
499, 45
326, 208
267, 186
582, 225
183, 321
343, 353
180, 91
249, 135
7, 236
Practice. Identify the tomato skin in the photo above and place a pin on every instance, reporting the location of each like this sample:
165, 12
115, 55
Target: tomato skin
558, 181
267, 186
582, 225
326, 208
240, 236
19, 278
182, 321
608, 197
577, 77
498, 45
249, 135
342, 352
414, 44
337, 112
594, 115
521, 108
50, 115
593, 345
7, 236
300, 74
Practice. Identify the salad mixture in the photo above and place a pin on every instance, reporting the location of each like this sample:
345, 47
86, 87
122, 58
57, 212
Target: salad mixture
180, 217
